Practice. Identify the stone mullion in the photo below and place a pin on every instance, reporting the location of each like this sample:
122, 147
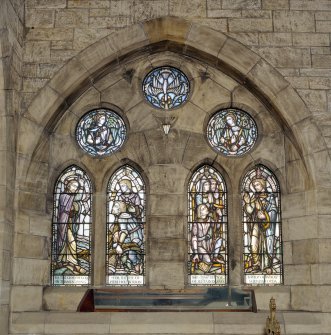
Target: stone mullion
99, 240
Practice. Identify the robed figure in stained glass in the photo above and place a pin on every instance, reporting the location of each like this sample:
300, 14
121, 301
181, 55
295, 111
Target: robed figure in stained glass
125, 231
71, 226
207, 230
262, 240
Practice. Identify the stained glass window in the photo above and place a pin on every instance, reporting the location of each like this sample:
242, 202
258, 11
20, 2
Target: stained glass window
207, 228
166, 87
101, 132
262, 228
125, 258
232, 132
71, 229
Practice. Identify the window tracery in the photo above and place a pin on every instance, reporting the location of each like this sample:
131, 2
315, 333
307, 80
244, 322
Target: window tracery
232, 132
101, 132
166, 87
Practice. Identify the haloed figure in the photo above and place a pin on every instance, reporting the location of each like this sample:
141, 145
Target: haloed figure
261, 210
98, 134
68, 226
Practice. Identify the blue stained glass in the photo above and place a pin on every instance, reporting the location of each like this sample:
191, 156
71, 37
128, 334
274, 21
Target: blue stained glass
101, 132
262, 232
125, 258
207, 228
71, 237
166, 87
232, 132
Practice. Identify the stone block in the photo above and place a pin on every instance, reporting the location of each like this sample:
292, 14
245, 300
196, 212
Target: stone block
166, 29
88, 4
72, 18
26, 298
144, 10
298, 82
39, 18
40, 225
275, 4
167, 275
288, 100
314, 40
323, 15
32, 201
210, 41
206, 98
297, 275
167, 179
241, 4
22, 223
285, 56
63, 298
325, 296
266, 77
31, 271
30, 246
324, 226
310, 4
275, 39
296, 21
302, 322
293, 205
190, 8
296, 176
220, 13
253, 13
319, 160
323, 26
305, 251
167, 250
28, 322
167, 204
319, 83
50, 34
38, 52
305, 298
324, 247
85, 37
246, 38
301, 228
250, 25
321, 61
287, 252
220, 25
280, 293
46, 4
321, 274
4, 319
33, 84
167, 226
238, 56
162, 323
118, 95
166, 149
141, 119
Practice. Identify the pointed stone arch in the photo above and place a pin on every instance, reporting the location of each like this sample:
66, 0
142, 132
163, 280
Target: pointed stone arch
184, 38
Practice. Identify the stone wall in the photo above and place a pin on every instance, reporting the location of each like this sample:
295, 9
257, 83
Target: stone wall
11, 50
284, 57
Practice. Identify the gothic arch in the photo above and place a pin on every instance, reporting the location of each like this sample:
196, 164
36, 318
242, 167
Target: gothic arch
181, 37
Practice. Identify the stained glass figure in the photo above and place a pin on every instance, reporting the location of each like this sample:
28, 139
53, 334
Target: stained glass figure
262, 228
71, 229
166, 87
125, 259
207, 228
101, 132
232, 132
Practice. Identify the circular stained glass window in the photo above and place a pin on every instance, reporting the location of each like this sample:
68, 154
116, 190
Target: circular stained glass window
100, 132
166, 87
232, 132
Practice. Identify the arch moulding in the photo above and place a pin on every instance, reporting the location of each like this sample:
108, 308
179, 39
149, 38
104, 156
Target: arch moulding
179, 36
